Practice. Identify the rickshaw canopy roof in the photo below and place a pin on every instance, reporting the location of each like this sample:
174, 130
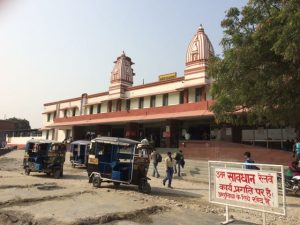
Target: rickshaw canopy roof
81, 142
115, 141
42, 141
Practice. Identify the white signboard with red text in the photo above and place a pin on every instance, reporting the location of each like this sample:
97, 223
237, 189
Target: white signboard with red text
246, 186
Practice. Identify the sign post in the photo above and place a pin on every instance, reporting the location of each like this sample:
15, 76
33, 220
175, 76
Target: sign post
233, 185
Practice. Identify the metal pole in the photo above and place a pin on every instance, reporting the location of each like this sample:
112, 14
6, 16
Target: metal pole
283, 190
209, 183
264, 218
227, 214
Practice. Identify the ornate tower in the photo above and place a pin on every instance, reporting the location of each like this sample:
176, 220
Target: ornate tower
198, 53
121, 76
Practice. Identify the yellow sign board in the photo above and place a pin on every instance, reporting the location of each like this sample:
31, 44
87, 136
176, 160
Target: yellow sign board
167, 76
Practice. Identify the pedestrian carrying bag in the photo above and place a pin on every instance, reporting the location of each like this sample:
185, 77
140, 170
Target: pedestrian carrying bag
158, 157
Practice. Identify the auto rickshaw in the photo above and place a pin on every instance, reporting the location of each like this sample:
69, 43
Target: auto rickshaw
79, 153
117, 160
44, 156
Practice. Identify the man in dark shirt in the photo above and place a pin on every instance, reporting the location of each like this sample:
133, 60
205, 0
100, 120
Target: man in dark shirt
249, 161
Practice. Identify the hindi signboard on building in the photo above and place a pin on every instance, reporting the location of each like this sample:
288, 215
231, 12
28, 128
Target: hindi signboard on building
247, 186
167, 76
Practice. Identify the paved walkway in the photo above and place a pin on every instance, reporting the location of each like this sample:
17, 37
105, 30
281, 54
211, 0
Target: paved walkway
194, 170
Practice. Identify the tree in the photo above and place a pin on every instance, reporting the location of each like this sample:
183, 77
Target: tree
257, 80
20, 124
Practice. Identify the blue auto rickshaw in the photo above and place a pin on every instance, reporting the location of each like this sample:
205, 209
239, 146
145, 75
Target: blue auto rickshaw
117, 160
79, 153
44, 156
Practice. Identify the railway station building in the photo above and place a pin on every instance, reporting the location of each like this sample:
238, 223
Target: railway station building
170, 112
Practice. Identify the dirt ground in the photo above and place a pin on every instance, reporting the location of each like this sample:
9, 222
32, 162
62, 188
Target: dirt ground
38, 199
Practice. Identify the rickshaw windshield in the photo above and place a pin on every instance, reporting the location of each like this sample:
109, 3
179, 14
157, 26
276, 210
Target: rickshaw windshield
126, 149
58, 147
97, 148
37, 148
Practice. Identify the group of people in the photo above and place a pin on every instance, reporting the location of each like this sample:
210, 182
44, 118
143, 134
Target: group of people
174, 164
171, 165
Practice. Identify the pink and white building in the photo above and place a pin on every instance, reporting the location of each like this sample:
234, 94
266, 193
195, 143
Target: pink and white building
163, 111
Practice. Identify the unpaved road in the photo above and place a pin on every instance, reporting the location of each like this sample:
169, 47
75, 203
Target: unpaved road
38, 199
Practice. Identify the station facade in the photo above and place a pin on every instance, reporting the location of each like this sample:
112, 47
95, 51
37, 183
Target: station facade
172, 109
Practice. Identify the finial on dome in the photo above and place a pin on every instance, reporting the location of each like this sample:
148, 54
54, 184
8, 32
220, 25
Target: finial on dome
201, 27
123, 53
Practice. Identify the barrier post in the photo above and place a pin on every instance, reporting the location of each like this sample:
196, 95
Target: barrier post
227, 216
264, 218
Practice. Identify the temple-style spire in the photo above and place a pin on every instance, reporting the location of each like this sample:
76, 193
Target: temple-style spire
198, 52
121, 75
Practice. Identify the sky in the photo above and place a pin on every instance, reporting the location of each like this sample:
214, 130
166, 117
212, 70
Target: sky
56, 49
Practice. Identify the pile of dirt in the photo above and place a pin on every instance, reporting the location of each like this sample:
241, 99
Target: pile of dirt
49, 187
41, 186
138, 216
30, 201
18, 218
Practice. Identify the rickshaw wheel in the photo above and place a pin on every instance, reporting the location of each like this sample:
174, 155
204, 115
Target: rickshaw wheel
117, 184
56, 173
27, 171
145, 187
96, 181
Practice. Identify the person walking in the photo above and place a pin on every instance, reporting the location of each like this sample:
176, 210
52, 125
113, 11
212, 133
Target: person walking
179, 158
155, 158
296, 150
169, 170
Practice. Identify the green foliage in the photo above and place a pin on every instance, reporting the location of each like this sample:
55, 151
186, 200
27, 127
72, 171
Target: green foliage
259, 73
20, 124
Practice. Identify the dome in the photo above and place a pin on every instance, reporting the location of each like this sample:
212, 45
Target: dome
200, 48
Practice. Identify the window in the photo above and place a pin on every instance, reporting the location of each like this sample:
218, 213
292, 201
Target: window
165, 99
198, 92
47, 134
195, 56
99, 108
74, 112
91, 109
48, 117
118, 105
141, 103
181, 97
152, 101
53, 134
109, 106
128, 104
65, 113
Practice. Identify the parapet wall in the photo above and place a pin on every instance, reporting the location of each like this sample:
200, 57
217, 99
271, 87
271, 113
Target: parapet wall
228, 151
